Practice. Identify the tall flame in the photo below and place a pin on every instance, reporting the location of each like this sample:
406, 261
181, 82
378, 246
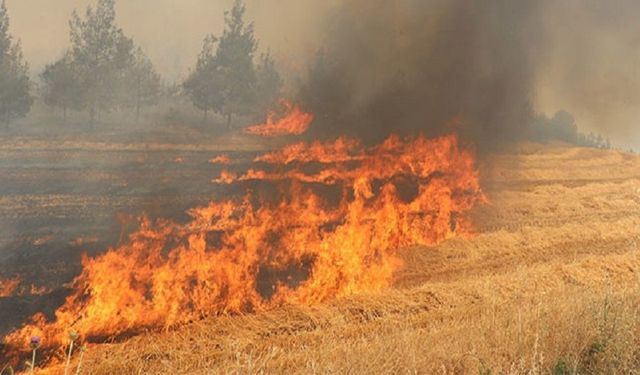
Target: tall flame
333, 226
295, 121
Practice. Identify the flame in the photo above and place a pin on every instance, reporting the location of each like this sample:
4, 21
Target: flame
14, 287
81, 241
42, 240
35, 290
294, 122
8, 287
220, 159
334, 226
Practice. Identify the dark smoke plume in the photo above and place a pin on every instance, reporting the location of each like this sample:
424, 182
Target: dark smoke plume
409, 66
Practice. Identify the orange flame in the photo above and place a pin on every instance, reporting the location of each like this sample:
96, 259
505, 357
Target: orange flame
8, 287
294, 122
35, 290
341, 213
220, 159
14, 287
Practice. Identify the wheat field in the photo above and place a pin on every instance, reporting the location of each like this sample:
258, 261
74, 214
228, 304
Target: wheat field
548, 284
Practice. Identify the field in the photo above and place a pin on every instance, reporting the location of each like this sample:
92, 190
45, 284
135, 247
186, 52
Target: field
549, 282
62, 195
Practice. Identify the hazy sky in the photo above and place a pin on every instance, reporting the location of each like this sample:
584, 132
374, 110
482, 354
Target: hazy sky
170, 31
590, 65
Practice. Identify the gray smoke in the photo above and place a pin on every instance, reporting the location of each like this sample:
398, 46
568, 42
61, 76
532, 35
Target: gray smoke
408, 66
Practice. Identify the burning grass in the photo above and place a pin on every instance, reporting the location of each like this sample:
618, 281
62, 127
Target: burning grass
16, 287
292, 245
220, 159
294, 121
486, 325
549, 284
9, 286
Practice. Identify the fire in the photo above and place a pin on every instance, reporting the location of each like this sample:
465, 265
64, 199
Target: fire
294, 122
14, 287
220, 159
35, 290
8, 287
333, 226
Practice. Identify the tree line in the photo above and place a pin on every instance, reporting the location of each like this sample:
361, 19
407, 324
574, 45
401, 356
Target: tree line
562, 127
104, 70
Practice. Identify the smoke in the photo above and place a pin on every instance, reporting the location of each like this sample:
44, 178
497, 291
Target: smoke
408, 65
591, 67
403, 67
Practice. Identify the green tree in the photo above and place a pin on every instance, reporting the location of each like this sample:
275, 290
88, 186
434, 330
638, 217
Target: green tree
203, 86
102, 54
145, 84
234, 60
60, 86
268, 83
224, 80
15, 96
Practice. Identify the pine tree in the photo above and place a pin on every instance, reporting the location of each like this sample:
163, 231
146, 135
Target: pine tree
224, 80
60, 85
234, 58
103, 69
15, 97
102, 54
269, 83
203, 86
145, 84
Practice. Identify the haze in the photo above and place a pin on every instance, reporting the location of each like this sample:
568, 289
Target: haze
588, 64
170, 31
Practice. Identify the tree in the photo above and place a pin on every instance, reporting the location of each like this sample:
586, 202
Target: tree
225, 80
269, 83
103, 69
15, 96
102, 54
60, 86
234, 58
203, 86
145, 84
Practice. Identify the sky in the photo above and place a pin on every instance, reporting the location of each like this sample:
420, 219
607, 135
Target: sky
590, 65
170, 31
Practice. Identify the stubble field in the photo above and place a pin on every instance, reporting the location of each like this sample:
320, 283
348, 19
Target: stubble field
549, 283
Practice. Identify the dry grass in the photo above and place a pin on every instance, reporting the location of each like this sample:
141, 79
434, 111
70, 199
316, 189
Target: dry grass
550, 284
438, 329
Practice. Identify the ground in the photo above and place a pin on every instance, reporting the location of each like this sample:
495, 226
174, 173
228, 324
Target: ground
548, 283
64, 192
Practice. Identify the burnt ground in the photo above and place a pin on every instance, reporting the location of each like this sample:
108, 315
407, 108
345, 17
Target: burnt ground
65, 195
